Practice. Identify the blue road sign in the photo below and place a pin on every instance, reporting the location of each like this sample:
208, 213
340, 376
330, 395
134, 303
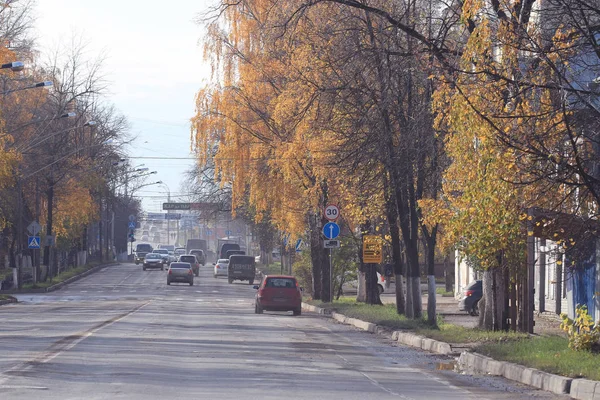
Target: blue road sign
33, 242
331, 230
299, 244
132, 225
228, 233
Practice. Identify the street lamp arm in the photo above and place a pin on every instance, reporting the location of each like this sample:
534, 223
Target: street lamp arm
37, 85
35, 144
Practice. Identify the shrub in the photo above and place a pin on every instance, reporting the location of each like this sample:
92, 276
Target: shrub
583, 333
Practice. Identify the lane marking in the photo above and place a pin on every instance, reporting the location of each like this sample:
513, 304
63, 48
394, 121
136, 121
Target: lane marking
65, 344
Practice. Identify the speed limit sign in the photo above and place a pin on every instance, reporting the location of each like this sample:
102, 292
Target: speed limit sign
331, 212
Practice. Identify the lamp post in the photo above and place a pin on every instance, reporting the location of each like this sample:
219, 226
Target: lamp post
168, 220
35, 85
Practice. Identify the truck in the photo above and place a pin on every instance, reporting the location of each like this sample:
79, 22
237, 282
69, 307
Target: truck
196, 244
241, 268
225, 247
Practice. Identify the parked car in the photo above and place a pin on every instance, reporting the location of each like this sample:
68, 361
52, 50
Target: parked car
241, 268
221, 267
180, 272
199, 253
165, 255
153, 260
190, 258
278, 293
471, 296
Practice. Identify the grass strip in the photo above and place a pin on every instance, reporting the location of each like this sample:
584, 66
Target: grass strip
387, 316
547, 353
61, 277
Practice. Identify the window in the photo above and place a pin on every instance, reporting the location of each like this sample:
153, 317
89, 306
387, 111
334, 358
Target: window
281, 283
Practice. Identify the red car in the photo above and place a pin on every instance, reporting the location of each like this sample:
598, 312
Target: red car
278, 293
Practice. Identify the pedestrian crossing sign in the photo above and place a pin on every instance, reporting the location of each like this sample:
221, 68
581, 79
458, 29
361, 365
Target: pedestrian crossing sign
33, 242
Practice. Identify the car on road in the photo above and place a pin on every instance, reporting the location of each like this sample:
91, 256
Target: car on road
241, 268
190, 258
278, 293
221, 267
180, 272
153, 260
199, 253
141, 249
471, 296
179, 251
165, 255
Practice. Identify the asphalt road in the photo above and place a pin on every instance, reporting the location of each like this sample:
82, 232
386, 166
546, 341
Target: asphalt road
122, 333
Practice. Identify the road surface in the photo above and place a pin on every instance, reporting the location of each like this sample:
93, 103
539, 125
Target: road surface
122, 333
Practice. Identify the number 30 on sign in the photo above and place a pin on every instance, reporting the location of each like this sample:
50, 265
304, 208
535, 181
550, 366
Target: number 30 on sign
331, 212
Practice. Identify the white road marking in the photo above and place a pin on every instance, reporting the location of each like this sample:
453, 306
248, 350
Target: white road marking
83, 291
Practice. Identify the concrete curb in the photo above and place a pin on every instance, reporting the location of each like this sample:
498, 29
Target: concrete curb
584, 389
8, 301
474, 363
61, 284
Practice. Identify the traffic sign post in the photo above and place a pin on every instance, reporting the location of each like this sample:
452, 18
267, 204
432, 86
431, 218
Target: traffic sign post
299, 244
372, 249
34, 228
331, 244
132, 225
331, 212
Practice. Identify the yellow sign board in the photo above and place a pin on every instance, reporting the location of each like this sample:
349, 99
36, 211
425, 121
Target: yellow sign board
372, 249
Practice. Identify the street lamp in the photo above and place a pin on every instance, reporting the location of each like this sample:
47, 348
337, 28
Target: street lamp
15, 66
36, 85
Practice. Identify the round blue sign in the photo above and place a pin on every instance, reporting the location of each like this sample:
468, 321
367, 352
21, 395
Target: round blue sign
331, 230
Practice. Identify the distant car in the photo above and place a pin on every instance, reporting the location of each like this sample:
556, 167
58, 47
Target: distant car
140, 252
179, 251
190, 258
165, 255
278, 293
199, 253
221, 267
153, 260
241, 268
180, 272
471, 296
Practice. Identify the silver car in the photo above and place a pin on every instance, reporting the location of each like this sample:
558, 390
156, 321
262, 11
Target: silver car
180, 272
221, 267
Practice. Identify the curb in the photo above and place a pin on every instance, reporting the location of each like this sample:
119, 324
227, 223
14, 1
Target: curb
474, 363
61, 284
8, 301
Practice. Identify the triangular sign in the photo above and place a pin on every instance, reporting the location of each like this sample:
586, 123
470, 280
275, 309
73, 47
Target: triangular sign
34, 242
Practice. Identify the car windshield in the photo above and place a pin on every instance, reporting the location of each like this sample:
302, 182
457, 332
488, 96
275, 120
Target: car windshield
151, 256
189, 259
281, 283
162, 251
180, 265
223, 261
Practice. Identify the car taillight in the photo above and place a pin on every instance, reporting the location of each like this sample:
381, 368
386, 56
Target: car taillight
469, 292
190, 272
218, 267
382, 278
169, 272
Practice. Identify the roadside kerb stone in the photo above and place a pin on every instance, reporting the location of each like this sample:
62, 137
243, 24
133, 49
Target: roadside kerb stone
585, 389
474, 363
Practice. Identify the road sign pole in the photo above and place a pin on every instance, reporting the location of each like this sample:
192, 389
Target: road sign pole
331, 275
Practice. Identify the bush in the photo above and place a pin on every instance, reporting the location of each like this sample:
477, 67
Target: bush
583, 333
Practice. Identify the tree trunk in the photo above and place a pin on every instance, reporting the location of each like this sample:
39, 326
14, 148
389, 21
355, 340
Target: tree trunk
430, 240
392, 218
361, 291
492, 312
316, 249
448, 274
372, 284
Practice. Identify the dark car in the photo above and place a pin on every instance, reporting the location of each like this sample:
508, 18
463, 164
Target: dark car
471, 296
278, 293
153, 260
199, 253
180, 272
241, 268
230, 253
190, 258
140, 252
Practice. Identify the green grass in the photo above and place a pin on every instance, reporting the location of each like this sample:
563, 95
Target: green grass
60, 278
6, 297
386, 316
271, 269
442, 292
548, 353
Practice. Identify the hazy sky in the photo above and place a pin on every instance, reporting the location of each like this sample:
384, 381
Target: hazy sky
155, 67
